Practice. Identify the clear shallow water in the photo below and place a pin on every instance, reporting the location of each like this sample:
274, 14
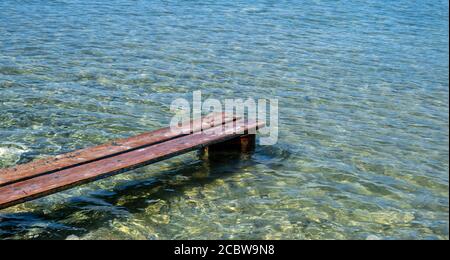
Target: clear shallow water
363, 90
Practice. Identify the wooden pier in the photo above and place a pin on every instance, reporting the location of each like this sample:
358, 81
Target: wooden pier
47, 176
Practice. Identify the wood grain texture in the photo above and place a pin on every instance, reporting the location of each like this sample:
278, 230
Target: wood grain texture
76, 158
44, 185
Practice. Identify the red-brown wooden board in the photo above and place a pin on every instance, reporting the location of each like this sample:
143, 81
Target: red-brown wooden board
44, 185
64, 161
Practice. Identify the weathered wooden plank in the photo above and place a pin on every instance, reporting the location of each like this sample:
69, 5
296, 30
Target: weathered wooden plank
37, 187
72, 159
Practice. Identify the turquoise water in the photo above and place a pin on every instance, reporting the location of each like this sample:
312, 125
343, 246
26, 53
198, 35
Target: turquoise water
364, 127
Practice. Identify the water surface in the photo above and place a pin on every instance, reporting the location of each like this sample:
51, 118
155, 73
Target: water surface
363, 91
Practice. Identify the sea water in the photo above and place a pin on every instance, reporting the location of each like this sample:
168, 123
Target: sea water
364, 131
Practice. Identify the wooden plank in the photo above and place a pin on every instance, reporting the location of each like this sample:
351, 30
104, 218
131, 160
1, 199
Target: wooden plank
76, 158
48, 184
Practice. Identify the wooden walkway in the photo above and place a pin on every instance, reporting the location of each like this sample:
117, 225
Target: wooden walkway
47, 176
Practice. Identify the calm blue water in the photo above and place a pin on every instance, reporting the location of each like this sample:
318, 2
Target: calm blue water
363, 89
